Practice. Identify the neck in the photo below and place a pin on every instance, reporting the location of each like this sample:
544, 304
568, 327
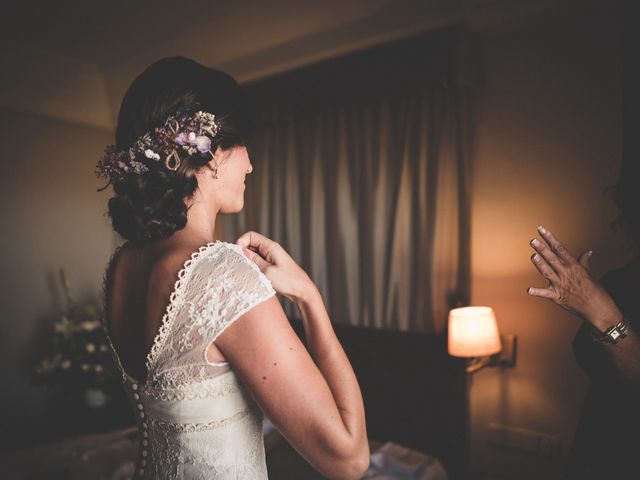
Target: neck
201, 223
198, 231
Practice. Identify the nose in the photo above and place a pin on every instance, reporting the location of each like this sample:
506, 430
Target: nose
250, 168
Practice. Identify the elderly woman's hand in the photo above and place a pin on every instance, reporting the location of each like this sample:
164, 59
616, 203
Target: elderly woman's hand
570, 284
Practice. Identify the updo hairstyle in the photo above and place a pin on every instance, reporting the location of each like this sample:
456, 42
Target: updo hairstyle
151, 205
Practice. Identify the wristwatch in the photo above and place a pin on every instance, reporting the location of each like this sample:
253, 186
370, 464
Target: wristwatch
613, 334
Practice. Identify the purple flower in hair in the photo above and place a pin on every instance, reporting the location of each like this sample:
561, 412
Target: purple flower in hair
191, 131
203, 144
181, 138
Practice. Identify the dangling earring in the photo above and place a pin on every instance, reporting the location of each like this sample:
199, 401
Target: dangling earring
215, 169
215, 173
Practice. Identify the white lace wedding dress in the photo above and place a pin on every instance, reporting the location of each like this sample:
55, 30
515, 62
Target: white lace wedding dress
195, 418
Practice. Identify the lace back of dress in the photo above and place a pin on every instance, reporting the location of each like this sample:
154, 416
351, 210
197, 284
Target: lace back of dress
216, 286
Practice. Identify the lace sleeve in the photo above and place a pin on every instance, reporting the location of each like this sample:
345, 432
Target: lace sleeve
223, 286
216, 287
236, 286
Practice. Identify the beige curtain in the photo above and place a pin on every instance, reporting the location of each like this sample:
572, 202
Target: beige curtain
371, 198
372, 201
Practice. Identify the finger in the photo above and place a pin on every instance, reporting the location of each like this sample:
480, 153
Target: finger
250, 238
541, 292
254, 241
585, 259
557, 247
256, 258
543, 268
548, 255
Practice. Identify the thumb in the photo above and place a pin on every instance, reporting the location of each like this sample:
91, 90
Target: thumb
585, 259
255, 258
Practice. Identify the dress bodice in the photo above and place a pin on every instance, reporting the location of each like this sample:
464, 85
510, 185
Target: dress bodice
195, 417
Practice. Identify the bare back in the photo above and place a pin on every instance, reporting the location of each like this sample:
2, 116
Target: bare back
139, 287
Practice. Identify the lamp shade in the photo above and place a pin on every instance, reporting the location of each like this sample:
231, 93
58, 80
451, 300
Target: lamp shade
473, 332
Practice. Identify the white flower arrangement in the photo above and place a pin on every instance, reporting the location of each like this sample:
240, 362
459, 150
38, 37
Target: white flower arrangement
78, 356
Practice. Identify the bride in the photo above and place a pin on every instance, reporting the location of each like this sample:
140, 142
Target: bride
201, 341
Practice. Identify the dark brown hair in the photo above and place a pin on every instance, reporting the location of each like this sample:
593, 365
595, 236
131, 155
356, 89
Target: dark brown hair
151, 205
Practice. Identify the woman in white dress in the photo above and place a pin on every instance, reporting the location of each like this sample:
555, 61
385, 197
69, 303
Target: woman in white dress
202, 343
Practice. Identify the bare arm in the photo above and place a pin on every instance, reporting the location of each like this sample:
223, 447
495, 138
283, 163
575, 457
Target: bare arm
332, 361
311, 396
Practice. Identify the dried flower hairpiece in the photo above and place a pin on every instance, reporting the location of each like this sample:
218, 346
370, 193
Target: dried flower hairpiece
189, 132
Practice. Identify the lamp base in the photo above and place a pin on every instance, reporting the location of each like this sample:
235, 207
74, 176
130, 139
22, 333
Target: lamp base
507, 356
504, 358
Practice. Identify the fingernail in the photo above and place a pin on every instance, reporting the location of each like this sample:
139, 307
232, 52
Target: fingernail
246, 252
529, 290
542, 230
535, 257
535, 242
590, 253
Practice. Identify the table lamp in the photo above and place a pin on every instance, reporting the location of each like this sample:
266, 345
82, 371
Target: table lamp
473, 334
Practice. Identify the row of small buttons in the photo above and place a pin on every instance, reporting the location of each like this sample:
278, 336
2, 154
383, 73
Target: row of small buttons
144, 431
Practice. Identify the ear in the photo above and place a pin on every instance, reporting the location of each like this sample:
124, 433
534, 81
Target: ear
204, 172
209, 168
215, 155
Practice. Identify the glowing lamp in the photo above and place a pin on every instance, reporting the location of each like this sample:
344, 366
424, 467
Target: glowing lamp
473, 332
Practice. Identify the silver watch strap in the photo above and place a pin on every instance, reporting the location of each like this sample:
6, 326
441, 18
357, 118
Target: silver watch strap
613, 334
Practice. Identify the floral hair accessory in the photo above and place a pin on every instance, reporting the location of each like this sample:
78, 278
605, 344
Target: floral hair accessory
188, 132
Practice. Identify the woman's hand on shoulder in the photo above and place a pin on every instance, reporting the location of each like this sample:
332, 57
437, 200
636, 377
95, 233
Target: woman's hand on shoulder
570, 284
286, 276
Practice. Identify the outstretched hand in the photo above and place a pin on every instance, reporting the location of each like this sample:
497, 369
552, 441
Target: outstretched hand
570, 284
286, 276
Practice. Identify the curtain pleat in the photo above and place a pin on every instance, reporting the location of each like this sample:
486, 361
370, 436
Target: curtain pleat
372, 200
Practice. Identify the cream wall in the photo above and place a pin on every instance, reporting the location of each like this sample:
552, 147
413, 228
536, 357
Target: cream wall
51, 217
51, 84
548, 140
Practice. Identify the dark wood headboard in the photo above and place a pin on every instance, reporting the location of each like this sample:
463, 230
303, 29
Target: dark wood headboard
415, 394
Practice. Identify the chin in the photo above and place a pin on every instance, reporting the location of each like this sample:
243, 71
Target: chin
238, 208
231, 211
235, 207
